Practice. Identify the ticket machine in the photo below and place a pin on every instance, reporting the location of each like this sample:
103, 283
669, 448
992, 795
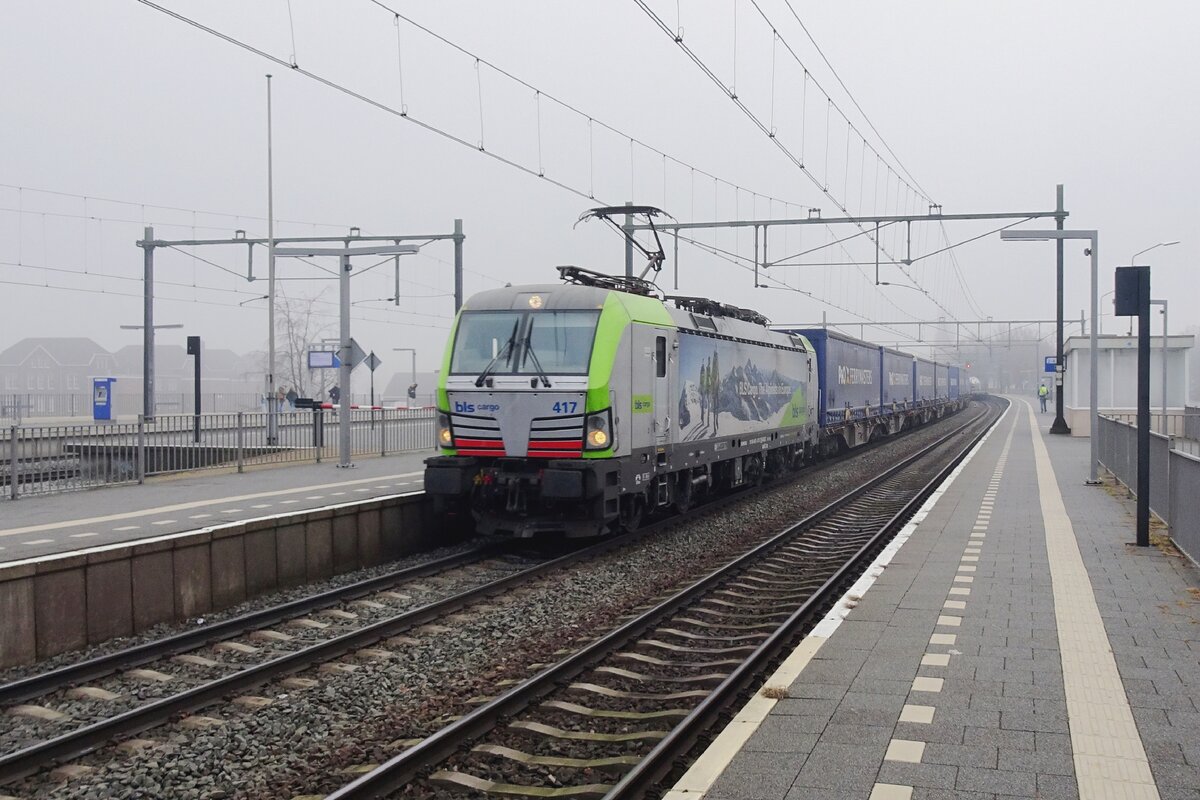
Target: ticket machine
102, 398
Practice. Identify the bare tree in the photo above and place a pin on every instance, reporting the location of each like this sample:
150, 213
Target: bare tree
300, 329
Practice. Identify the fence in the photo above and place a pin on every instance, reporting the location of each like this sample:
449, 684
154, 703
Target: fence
1174, 423
18, 406
42, 459
1174, 477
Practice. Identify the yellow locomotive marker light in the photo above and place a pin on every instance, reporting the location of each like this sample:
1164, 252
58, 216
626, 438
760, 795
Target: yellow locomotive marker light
535, 301
444, 436
597, 438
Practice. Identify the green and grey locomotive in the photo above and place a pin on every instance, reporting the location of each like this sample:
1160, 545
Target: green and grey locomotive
577, 408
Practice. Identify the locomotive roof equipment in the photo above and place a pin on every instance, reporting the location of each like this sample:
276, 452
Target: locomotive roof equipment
654, 258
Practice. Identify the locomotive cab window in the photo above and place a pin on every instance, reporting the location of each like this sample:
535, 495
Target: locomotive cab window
660, 357
516, 342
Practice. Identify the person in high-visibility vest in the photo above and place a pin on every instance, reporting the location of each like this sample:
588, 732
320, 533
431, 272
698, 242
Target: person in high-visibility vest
1043, 393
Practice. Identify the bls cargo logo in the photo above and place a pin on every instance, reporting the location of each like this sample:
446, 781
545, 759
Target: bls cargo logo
470, 408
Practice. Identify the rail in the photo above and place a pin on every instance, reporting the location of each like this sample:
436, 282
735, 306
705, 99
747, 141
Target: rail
46, 459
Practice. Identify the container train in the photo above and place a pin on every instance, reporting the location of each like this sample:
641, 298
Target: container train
578, 408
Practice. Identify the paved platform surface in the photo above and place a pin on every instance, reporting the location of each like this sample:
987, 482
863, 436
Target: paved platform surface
47, 524
1014, 646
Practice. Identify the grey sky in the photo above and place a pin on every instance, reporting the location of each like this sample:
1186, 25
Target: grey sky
117, 100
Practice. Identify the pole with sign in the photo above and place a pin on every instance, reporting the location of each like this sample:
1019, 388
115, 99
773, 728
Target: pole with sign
373, 361
1133, 300
193, 349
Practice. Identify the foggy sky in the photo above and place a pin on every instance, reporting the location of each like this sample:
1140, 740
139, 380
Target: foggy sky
989, 106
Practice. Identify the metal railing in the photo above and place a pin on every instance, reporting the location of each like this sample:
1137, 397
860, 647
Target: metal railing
1174, 475
1173, 423
18, 406
43, 459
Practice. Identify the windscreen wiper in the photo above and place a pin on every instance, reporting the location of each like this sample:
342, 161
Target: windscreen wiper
504, 353
528, 347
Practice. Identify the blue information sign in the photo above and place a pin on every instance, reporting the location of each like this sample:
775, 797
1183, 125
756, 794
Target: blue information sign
1051, 364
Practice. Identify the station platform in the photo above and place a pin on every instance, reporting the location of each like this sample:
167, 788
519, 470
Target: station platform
50, 524
1010, 643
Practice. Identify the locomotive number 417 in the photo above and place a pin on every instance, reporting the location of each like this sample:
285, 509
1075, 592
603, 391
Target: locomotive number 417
566, 407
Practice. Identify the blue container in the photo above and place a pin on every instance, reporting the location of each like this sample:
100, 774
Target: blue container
925, 391
848, 375
897, 378
941, 381
955, 383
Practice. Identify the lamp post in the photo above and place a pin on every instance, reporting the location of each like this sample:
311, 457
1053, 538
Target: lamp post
1163, 303
1093, 379
1133, 258
272, 412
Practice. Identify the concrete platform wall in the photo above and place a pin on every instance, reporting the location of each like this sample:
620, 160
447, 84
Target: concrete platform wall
58, 603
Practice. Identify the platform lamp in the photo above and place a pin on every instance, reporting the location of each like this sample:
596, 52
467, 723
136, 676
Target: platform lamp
1133, 260
1093, 378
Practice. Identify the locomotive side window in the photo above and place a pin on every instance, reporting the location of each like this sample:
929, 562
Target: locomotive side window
660, 356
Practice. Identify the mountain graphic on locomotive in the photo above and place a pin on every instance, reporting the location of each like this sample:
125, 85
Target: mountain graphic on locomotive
575, 409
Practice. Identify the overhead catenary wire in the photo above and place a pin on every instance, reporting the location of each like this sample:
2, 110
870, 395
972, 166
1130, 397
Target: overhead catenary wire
455, 138
797, 161
539, 92
853, 100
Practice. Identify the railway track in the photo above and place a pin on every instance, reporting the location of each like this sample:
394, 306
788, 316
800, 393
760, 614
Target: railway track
614, 717
142, 685
222, 659
322, 628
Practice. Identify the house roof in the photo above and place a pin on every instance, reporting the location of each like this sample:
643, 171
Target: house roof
167, 358
67, 351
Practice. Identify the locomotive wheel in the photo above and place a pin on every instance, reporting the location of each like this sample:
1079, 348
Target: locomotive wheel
684, 493
753, 471
633, 511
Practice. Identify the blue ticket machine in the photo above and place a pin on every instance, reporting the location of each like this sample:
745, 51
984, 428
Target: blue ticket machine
102, 398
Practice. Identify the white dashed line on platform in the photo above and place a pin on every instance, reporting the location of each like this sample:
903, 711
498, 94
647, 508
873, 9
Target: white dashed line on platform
383, 487
337, 494
231, 511
200, 516
83, 535
261, 505
127, 528
164, 522
288, 502
38, 541
315, 497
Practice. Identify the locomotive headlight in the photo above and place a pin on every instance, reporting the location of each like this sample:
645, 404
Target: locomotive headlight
444, 434
598, 430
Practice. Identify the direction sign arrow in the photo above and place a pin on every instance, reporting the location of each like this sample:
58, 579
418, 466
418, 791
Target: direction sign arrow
373, 361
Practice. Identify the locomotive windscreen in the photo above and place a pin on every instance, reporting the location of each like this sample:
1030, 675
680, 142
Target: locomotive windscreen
560, 341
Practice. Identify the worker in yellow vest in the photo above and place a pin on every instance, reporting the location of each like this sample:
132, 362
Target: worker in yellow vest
1043, 393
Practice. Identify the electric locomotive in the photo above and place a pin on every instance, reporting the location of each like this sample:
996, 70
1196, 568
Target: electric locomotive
573, 409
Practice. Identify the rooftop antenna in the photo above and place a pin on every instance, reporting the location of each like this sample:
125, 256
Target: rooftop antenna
654, 258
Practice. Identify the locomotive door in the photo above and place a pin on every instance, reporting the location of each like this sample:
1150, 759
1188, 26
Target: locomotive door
662, 388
